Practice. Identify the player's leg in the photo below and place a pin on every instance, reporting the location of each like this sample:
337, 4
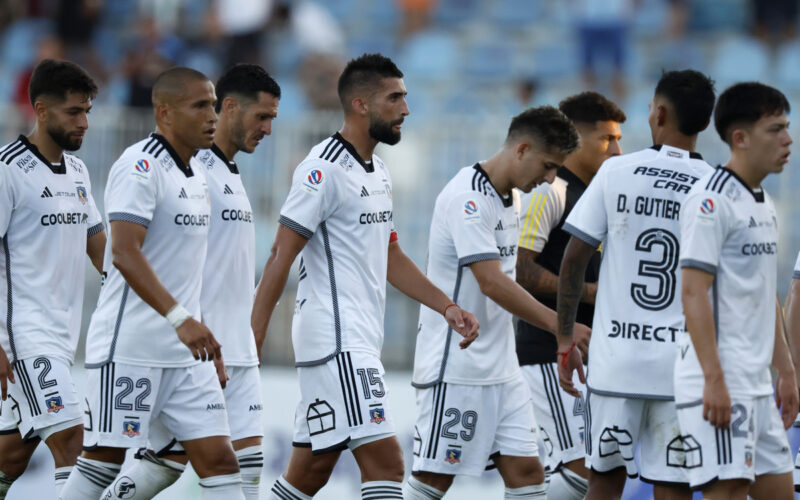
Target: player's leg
613, 430
773, 460
49, 409
561, 420
523, 477
729, 489
381, 465
245, 416
15, 453
305, 475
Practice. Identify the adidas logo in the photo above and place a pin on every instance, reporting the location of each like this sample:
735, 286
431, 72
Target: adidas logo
364, 192
182, 194
227, 190
46, 193
753, 222
499, 226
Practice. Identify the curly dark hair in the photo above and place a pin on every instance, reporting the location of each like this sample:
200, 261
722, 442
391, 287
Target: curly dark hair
56, 78
548, 125
746, 103
245, 80
590, 107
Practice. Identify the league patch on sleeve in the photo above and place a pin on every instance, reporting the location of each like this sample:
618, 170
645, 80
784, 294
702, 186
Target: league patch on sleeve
707, 211
141, 168
471, 211
314, 180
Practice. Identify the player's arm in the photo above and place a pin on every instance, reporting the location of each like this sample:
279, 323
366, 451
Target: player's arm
127, 239
6, 374
542, 283
285, 248
786, 395
404, 275
700, 323
571, 278
95, 246
792, 309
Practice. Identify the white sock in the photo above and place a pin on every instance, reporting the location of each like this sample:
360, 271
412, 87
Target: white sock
566, 485
538, 491
225, 487
62, 473
251, 463
147, 477
414, 489
282, 490
381, 490
5, 484
88, 479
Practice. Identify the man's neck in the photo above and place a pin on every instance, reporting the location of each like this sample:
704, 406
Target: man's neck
497, 173
183, 151
678, 140
584, 174
222, 140
359, 137
751, 176
46, 145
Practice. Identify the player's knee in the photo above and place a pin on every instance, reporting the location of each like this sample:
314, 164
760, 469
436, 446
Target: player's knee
441, 482
220, 463
65, 445
526, 472
14, 459
321, 469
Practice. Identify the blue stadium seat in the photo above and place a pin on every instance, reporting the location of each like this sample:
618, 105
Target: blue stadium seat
516, 14
740, 58
788, 66
719, 15
557, 59
370, 43
455, 12
489, 60
430, 55
19, 42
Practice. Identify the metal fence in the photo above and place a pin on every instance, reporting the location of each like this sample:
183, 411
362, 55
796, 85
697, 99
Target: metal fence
432, 151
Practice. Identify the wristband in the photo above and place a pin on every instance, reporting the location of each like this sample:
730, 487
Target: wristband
451, 304
565, 355
177, 315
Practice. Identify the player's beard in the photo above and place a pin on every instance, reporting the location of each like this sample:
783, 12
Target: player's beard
382, 131
63, 139
238, 136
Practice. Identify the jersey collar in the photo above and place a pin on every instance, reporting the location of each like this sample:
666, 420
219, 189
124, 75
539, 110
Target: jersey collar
368, 167
230, 164
568, 176
507, 200
186, 169
56, 169
757, 195
692, 154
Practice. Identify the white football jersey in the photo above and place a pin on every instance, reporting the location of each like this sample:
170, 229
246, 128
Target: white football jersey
151, 186
229, 276
632, 207
343, 205
471, 222
46, 215
796, 272
731, 231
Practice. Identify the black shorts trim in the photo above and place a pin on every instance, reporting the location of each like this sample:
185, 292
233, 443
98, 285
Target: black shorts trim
331, 449
655, 482
301, 445
10, 431
607, 472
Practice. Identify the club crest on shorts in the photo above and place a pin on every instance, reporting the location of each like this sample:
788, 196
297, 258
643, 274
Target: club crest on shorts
748, 458
452, 456
130, 428
376, 415
54, 404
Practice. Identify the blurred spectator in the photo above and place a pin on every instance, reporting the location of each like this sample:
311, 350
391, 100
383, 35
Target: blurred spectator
416, 16
48, 48
319, 75
239, 23
149, 53
76, 21
775, 21
526, 92
315, 28
603, 31
678, 18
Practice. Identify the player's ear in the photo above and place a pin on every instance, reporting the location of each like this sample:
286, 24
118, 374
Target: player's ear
359, 105
162, 113
520, 149
40, 108
661, 115
229, 104
740, 138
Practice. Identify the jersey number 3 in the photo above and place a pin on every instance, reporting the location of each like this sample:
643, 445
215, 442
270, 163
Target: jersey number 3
661, 270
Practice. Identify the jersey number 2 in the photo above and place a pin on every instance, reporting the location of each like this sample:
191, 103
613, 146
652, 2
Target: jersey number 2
661, 270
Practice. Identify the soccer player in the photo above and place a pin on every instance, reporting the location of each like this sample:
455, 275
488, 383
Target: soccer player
145, 339
247, 102
48, 223
541, 246
735, 443
792, 310
474, 406
632, 207
338, 217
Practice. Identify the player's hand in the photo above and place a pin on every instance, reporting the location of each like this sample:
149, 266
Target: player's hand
222, 373
717, 402
581, 335
567, 366
786, 397
464, 322
199, 339
6, 374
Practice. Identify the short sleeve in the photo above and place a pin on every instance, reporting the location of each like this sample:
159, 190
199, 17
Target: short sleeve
541, 215
588, 220
796, 273
312, 198
471, 220
7, 199
703, 231
132, 190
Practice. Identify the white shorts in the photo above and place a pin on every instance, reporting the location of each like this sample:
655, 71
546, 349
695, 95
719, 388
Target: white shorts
123, 400
560, 416
42, 401
460, 428
755, 443
341, 401
245, 409
618, 424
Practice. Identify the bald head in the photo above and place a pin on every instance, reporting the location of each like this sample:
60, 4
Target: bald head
172, 85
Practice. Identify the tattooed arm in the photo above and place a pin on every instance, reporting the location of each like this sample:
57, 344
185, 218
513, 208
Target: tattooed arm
540, 282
